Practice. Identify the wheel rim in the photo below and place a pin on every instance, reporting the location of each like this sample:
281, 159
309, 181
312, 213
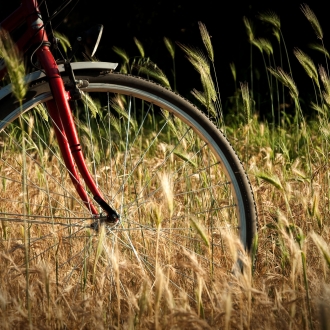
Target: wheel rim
175, 203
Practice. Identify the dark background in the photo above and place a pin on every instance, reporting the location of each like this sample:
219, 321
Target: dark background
151, 21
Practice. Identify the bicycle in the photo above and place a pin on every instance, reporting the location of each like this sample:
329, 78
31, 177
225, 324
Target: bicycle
160, 181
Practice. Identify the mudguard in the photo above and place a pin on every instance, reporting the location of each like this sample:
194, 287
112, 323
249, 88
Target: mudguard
76, 66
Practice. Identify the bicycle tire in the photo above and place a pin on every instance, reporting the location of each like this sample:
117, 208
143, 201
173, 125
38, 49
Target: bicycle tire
176, 183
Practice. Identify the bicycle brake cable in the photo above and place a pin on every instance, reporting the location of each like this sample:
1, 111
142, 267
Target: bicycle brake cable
55, 40
49, 19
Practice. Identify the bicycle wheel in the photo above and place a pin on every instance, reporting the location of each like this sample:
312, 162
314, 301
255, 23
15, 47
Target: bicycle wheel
170, 174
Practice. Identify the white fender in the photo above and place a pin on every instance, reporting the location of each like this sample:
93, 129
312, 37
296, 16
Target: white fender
106, 66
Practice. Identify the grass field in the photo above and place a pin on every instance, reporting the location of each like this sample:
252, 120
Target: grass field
287, 287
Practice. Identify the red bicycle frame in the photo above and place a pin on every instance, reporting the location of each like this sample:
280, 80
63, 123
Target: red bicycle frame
58, 108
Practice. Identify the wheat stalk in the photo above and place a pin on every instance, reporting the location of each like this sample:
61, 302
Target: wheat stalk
271, 18
206, 40
309, 14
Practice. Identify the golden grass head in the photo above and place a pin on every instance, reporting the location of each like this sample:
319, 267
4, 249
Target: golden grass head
206, 99
233, 70
197, 58
277, 35
307, 64
170, 47
286, 80
91, 104
14, 63
320, 48
246, 99
206, 40
200, 62
263, 45
312, 20
256, 43
325, 79
153, 71
168, 191
192, 263
122, 53
271, 18
200, 230
139, 46
249, 28
266, 46
323, 248
209, 89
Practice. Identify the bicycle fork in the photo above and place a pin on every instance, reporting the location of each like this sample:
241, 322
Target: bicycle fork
66, 134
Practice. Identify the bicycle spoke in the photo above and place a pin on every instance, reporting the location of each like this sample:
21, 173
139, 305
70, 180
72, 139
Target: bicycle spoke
155, 160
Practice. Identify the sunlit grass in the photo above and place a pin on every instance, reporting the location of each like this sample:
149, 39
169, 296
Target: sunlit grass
287, 162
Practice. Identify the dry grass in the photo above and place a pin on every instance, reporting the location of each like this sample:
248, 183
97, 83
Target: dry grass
156, 272
80, 279
109, 290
